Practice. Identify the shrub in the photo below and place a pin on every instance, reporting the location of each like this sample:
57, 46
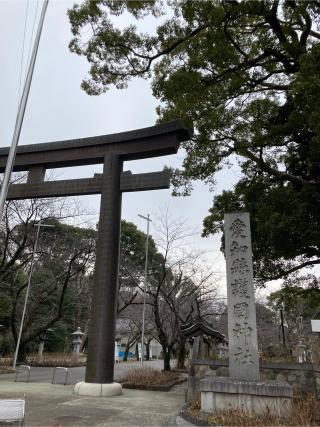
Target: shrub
305, 412
148, 376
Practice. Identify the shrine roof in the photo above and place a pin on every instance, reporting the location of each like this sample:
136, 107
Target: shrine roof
202, 327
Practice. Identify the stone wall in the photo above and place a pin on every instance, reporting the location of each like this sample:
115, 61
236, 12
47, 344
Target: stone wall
304, 378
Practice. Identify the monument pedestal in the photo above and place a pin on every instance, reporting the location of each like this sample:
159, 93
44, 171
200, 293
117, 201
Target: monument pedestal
254, 397
95, 389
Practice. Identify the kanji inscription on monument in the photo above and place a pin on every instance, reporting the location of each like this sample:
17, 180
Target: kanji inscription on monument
242, 328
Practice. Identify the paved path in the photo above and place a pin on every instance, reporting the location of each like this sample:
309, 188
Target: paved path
39, 374
56, 405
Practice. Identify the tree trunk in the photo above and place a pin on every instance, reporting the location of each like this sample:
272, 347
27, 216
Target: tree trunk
147, 350
22, 355
166, 359
181, 355
137, 352
126, 352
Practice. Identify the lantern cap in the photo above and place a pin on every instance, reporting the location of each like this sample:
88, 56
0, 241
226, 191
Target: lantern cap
78, 332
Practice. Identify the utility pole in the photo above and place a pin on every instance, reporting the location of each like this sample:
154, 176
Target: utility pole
20, 114
39, 225
147, 218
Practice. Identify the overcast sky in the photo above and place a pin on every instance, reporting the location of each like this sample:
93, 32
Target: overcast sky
58, 109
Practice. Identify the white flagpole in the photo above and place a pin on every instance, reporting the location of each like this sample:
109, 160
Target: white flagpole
20, 114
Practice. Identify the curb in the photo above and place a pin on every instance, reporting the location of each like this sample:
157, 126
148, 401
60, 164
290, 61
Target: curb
190, 419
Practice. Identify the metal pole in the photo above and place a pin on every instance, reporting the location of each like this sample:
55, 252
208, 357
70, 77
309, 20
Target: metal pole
145, 286
20, 114
28, 290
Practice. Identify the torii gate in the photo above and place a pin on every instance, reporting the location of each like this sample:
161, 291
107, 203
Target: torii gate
111, 150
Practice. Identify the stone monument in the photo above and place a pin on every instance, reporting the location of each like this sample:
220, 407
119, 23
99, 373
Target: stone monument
242, 327
243, 388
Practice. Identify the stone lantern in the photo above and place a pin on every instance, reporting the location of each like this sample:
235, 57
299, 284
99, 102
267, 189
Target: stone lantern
77, 341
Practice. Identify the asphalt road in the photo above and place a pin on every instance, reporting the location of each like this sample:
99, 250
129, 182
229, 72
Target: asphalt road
44, 375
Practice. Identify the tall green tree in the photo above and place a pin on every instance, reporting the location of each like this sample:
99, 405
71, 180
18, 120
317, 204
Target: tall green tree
246, 74
284, 224
64, 253
299, 301
298, 298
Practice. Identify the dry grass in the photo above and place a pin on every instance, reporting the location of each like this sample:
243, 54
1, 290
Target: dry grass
148, 376
55, 359
48, 359
6, 365
305, 412
6, 362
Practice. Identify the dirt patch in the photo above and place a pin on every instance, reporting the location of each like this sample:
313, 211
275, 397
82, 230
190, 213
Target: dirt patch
150, 379
155, 387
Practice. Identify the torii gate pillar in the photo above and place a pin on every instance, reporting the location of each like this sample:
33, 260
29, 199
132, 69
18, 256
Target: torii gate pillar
100, 361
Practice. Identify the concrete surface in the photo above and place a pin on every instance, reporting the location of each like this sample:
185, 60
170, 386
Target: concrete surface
95, 389
39, 374
57, 405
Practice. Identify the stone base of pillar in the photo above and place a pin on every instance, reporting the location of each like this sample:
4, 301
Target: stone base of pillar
253, 397
95, 389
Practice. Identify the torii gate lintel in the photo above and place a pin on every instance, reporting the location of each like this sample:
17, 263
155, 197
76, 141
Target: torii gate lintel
36, 187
